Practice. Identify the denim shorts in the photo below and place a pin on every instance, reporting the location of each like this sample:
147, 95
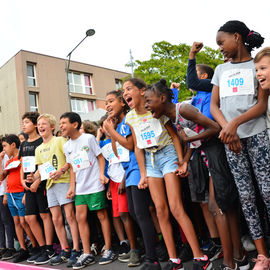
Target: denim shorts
164, 162
15, 204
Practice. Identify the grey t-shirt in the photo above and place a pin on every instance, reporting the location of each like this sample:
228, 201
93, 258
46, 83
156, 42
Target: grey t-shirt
238, 91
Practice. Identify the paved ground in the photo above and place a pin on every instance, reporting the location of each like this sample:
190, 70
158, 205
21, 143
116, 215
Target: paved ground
116, 265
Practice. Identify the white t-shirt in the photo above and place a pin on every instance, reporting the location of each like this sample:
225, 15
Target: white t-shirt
87, 179
116, 172
4, 182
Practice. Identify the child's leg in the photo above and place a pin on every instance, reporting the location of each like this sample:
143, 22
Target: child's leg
19, 231
48, 227
138, 202
223, 227
31, 220
118, 227
70, 216
81, 217
210, 220
57, 218
153, 213
128, 223
240, 167
157, 190
29, 232
173, 187
106, 227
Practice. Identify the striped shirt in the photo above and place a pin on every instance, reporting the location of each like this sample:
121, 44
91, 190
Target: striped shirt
155, 130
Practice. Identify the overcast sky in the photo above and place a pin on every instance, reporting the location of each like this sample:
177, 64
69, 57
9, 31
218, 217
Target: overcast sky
54, 27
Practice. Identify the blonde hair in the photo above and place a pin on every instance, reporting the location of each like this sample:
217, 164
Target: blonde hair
262, 53
51, 119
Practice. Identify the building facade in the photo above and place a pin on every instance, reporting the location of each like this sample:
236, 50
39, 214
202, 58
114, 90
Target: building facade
35, 82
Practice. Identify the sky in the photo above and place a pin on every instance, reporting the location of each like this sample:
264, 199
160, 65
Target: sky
55, 27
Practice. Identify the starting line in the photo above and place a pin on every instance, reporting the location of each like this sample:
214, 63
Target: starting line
17, 266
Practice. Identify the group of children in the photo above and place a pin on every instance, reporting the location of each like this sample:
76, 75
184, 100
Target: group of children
138, 158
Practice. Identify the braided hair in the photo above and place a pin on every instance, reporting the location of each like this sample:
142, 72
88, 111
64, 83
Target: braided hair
251, 39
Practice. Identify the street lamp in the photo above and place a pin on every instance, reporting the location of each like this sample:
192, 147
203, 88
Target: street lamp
89, 32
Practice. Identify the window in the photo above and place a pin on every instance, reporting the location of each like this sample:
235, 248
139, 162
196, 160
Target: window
82, 105
31, 75
33, 102
118, 84
80, 83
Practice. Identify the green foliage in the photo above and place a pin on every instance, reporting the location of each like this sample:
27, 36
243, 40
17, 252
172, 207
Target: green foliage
170, 62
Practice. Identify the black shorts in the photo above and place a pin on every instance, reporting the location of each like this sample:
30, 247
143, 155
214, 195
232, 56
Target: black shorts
224, 186
36, 202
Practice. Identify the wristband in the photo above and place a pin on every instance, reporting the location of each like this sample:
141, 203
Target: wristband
63, 171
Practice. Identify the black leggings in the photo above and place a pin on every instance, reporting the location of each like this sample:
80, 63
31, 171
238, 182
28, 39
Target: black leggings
138, 205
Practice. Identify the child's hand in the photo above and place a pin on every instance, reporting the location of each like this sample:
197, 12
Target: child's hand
30, 178
71, 193
109, 194
103, 179
227, 134
235, 146
5, 202
196, 47
24, 181
2, 154
99, 132
143, 184
34, 186
108, 124
182, 170
56, 175
122, 188
23, 199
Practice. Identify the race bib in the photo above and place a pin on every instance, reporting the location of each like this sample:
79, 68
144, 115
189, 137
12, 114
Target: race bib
237, 82
13, 165
46, 170
107, 152
191, 133
147, 133
28, 164
80, 161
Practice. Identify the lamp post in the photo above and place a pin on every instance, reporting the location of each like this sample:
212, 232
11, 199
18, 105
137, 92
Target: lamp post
89, 32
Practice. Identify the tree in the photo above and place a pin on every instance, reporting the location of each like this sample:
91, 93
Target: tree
170, 62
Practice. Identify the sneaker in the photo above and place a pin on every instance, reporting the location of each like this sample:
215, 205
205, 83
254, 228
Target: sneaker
174, 266
9, 254
125, 258
102, 250
61, 258
84, 260
150, 265
199, 264
123, 249
161, 251
134, 259
21, 256
73, 257
2, 252
108, 257
248, 243
243, 264
35, 253
185, 253
225, 267
94, 249
214, 252
45, 256
261, 263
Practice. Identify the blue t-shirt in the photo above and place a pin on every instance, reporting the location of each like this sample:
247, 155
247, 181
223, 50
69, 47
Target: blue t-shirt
131, 168
175, 95
101, 144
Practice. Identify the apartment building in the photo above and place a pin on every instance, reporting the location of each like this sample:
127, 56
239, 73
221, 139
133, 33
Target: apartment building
35, 82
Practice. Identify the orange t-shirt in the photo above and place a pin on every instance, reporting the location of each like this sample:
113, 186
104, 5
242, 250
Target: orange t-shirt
14, 178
